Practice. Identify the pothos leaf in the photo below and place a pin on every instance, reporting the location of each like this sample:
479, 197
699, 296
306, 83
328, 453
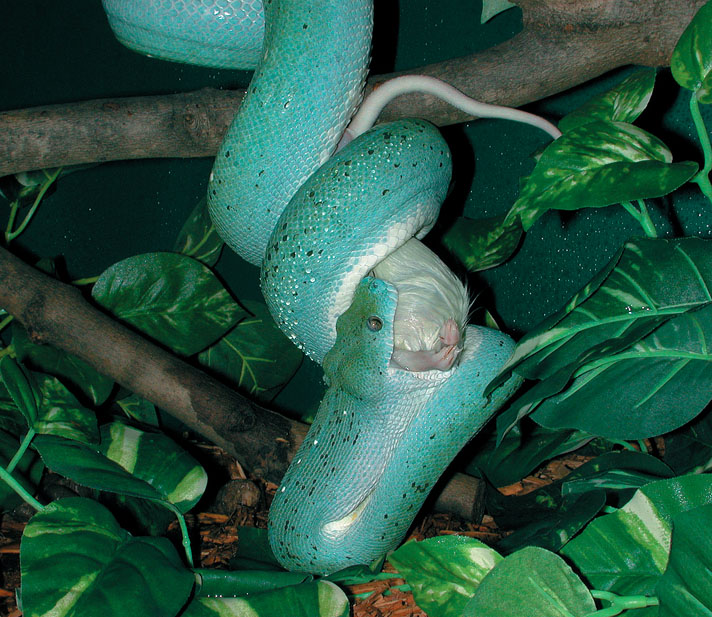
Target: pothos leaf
483, 243
691, 61
255, 355
598, 164
533, 578
622, 103
173, 298
198, 238
74, 551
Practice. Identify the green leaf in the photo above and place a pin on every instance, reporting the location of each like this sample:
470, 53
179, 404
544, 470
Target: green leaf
139, 409
77, 561
691, 61
21, 388
686, 586
556, 529
254, 551
622, 103
129, 462
599, 164
255, 355
61, 414
315, 599
627, 552
535, 581
198, 238
157, 460
690, 447
173, 298
68, 368
490, 8
242, 583
483, 243
444, 571
645, 284
520, 452
667, 377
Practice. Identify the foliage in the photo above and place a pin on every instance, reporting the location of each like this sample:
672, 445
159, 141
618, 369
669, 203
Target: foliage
627, 358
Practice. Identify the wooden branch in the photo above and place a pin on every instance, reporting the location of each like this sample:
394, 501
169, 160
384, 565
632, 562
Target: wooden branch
563, 43
264, 441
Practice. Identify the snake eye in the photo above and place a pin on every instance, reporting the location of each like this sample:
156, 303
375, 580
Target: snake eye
374, 323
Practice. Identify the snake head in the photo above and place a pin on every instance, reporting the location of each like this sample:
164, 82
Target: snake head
359, 360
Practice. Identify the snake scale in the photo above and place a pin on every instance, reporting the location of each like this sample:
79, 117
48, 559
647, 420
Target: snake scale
323, 225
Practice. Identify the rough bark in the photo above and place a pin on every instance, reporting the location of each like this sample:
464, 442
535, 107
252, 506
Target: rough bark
562, 44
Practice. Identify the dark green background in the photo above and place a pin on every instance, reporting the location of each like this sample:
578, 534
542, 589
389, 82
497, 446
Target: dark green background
59, 52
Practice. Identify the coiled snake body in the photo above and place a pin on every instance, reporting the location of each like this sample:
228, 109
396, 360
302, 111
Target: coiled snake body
318, 223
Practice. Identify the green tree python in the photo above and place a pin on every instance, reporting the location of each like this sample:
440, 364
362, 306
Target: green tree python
334, 218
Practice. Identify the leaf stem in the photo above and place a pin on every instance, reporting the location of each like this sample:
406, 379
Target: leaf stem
702, 178
618, 604
183, 530
641, 215
21, 450
11, 235
19, 489
6, 322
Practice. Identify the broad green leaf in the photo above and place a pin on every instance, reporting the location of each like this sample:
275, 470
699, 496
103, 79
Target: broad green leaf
129, 462
170, 297
686, 586
444, 571
255, 355
627, 552
76, 561
691, 60
61, 414
598, 164
11, 419
667, 379
316, 599
21, 388
490, 8
690, 447
522, 451
556, 529
139, 409
254, 551
68, 368
534, 582
157, 460
85, 465
622, 103
242, 583
645, 284
28, 471
483, 243
198, 238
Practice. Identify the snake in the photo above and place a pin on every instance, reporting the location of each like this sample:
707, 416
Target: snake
333, 211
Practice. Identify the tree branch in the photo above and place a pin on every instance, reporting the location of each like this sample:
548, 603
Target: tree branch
562, 44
